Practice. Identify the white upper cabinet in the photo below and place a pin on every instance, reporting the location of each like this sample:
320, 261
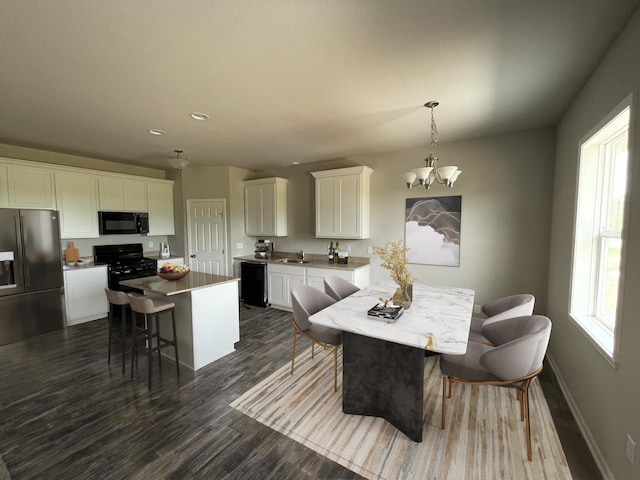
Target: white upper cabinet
77, 201
342, 202
265, 207
122, 194
30, 187
160, 207
4, 193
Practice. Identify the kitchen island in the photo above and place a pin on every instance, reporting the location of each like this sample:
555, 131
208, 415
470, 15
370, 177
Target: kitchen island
207, 314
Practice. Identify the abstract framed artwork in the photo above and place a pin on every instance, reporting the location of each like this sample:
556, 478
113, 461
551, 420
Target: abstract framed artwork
432, 230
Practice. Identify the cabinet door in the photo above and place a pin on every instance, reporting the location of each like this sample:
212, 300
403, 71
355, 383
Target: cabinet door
338, 207
292, 281
77, 202
260, 210
122, 194
277, 293
30, 187
316, 282
160, 208
135, 195
84, 295
111, 191
4, 194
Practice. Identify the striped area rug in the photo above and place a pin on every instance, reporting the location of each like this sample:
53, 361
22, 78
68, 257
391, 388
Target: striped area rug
484, 437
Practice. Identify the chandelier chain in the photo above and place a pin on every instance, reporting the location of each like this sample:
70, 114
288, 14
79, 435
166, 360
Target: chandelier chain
434, 132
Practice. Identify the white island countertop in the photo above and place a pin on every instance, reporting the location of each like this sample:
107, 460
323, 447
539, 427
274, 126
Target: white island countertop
193, 281
438, 319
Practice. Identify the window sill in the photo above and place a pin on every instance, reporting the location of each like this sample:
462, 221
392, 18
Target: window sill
599, 336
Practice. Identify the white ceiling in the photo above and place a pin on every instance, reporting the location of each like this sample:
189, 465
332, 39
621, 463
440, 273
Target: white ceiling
284, 81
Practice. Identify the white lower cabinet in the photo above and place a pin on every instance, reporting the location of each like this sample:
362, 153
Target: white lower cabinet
283, 277
84, 294
359, 277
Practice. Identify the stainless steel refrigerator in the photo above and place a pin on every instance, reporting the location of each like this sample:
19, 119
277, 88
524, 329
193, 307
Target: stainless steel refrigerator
31, 280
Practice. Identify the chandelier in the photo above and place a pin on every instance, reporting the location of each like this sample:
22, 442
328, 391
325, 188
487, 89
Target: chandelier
431, 173
177, 160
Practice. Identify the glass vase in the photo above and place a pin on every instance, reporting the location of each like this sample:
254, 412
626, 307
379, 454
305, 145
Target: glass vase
403, 296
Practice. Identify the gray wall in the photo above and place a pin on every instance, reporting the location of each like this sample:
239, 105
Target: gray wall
506, 188
604, 397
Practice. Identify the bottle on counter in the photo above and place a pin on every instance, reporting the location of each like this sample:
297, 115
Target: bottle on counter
331, 252
337, 249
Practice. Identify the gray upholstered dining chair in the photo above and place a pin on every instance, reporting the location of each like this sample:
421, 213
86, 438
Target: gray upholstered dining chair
339, 288
306, 301
514, 360
500, 309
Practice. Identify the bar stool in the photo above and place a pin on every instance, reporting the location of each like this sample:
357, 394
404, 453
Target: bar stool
116, 298
152, 307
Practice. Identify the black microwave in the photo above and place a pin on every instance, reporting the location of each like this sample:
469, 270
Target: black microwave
119, 223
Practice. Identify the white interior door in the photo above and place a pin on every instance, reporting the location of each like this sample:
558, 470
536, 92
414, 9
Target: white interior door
207, 236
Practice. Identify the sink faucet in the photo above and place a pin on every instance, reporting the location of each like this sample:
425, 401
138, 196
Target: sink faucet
302, 254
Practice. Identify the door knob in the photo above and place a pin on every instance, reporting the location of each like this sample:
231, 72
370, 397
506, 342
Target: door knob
193, 255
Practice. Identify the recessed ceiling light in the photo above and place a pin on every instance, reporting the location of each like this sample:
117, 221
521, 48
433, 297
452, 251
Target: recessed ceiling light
155, 131
199, 116
295, 163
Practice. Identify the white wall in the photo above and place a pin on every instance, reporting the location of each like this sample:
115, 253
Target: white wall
506, 188
606, 399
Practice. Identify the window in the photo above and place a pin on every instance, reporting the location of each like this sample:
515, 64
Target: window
598, 240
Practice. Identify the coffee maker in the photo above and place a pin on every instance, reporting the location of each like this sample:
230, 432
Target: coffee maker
264, 248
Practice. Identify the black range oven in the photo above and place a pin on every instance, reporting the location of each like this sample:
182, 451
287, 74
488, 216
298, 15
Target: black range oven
125, 262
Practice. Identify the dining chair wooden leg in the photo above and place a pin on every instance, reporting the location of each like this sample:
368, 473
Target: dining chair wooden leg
525, 400
444, 400
293, 354
450, 387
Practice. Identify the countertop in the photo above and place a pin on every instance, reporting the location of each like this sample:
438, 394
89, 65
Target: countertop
156, 256
193, 281
314, 261
438, 318
84, 266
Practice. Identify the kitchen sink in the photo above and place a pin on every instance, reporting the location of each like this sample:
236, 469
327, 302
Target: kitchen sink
292, 260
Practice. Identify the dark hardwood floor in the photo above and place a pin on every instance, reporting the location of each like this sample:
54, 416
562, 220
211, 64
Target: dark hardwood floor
66, 414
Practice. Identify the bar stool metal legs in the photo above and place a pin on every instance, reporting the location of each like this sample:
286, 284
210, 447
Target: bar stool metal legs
117, 298
143, 337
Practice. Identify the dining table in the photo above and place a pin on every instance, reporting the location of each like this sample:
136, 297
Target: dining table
383, 359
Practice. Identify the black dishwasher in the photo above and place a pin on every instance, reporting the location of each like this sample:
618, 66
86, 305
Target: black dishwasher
253, 280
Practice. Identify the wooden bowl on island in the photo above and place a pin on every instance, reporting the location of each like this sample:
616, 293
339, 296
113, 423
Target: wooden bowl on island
173, 275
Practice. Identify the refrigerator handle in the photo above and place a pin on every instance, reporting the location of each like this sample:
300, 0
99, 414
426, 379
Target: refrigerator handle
25, 261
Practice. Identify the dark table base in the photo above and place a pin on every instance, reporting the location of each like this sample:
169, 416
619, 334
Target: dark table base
383, 379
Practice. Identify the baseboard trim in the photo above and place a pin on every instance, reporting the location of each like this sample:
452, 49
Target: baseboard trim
602, 464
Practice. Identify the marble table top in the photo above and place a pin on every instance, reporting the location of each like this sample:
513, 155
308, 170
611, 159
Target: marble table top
193, 281
438, 319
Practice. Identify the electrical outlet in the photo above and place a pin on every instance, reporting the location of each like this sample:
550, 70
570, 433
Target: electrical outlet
631, 449
349, 248
150, 244
476, 309
239, 246
369, 249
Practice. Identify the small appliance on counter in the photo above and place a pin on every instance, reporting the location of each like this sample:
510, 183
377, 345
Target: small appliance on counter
164, 250
264, 248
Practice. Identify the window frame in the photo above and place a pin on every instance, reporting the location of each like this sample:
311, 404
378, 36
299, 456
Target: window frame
597, 330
